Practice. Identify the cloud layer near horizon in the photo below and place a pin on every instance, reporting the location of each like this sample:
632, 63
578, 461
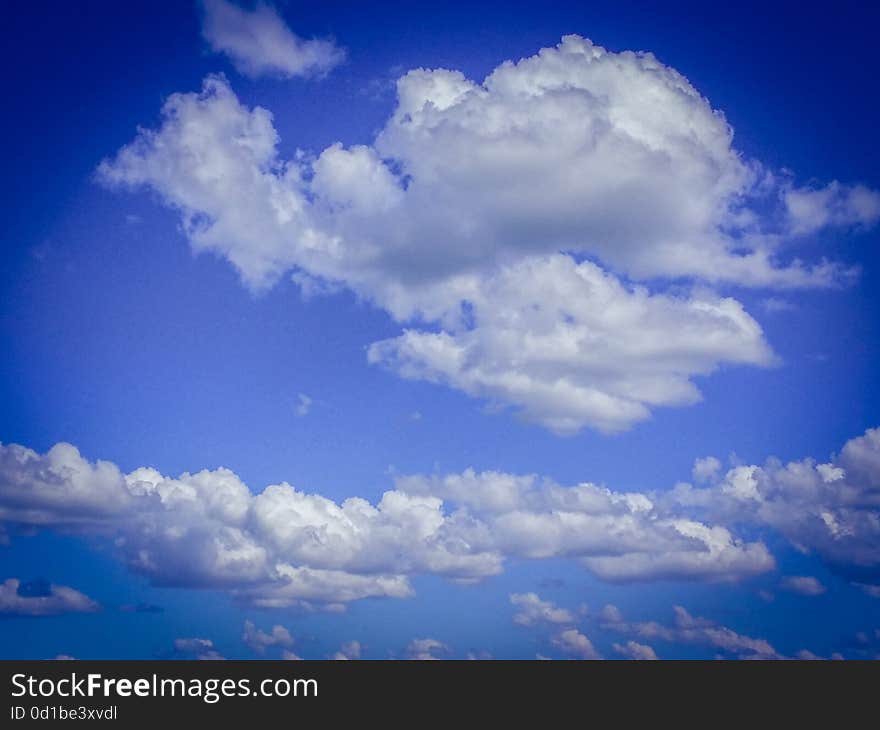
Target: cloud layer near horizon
520, 228
284, 547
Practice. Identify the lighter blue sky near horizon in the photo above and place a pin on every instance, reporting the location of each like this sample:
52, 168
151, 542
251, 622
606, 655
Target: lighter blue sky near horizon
570, 280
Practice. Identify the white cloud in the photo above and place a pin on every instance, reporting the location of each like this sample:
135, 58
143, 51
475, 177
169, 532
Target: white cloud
216, 162
259, 640
425, 649
712, 553
283, 547
618, 536
688, 629
574, 643
259, 43
831, 509
42, 599
805, 585
706, 469
349, 650
635, 650
532, 610
59, 488
191, 646
810, 209
280, 547
455, 219
571, 346
201, 649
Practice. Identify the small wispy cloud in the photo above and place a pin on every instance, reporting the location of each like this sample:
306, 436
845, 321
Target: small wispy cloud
777, 304
260, 640
805, 585
304, 405
259, 43
202, 649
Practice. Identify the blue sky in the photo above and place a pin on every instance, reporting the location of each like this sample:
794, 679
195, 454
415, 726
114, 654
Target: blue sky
569, 279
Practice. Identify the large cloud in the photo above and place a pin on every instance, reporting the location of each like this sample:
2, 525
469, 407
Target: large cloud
492, 214
283, 547
260, 44
570, 345
620, 537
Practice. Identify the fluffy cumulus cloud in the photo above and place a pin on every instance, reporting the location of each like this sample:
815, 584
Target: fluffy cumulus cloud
531, 610
520, 228
280, 547
40, 598
635, 650
284, 547
618, 536
570, 345
576, 644
831, 509
259, 43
